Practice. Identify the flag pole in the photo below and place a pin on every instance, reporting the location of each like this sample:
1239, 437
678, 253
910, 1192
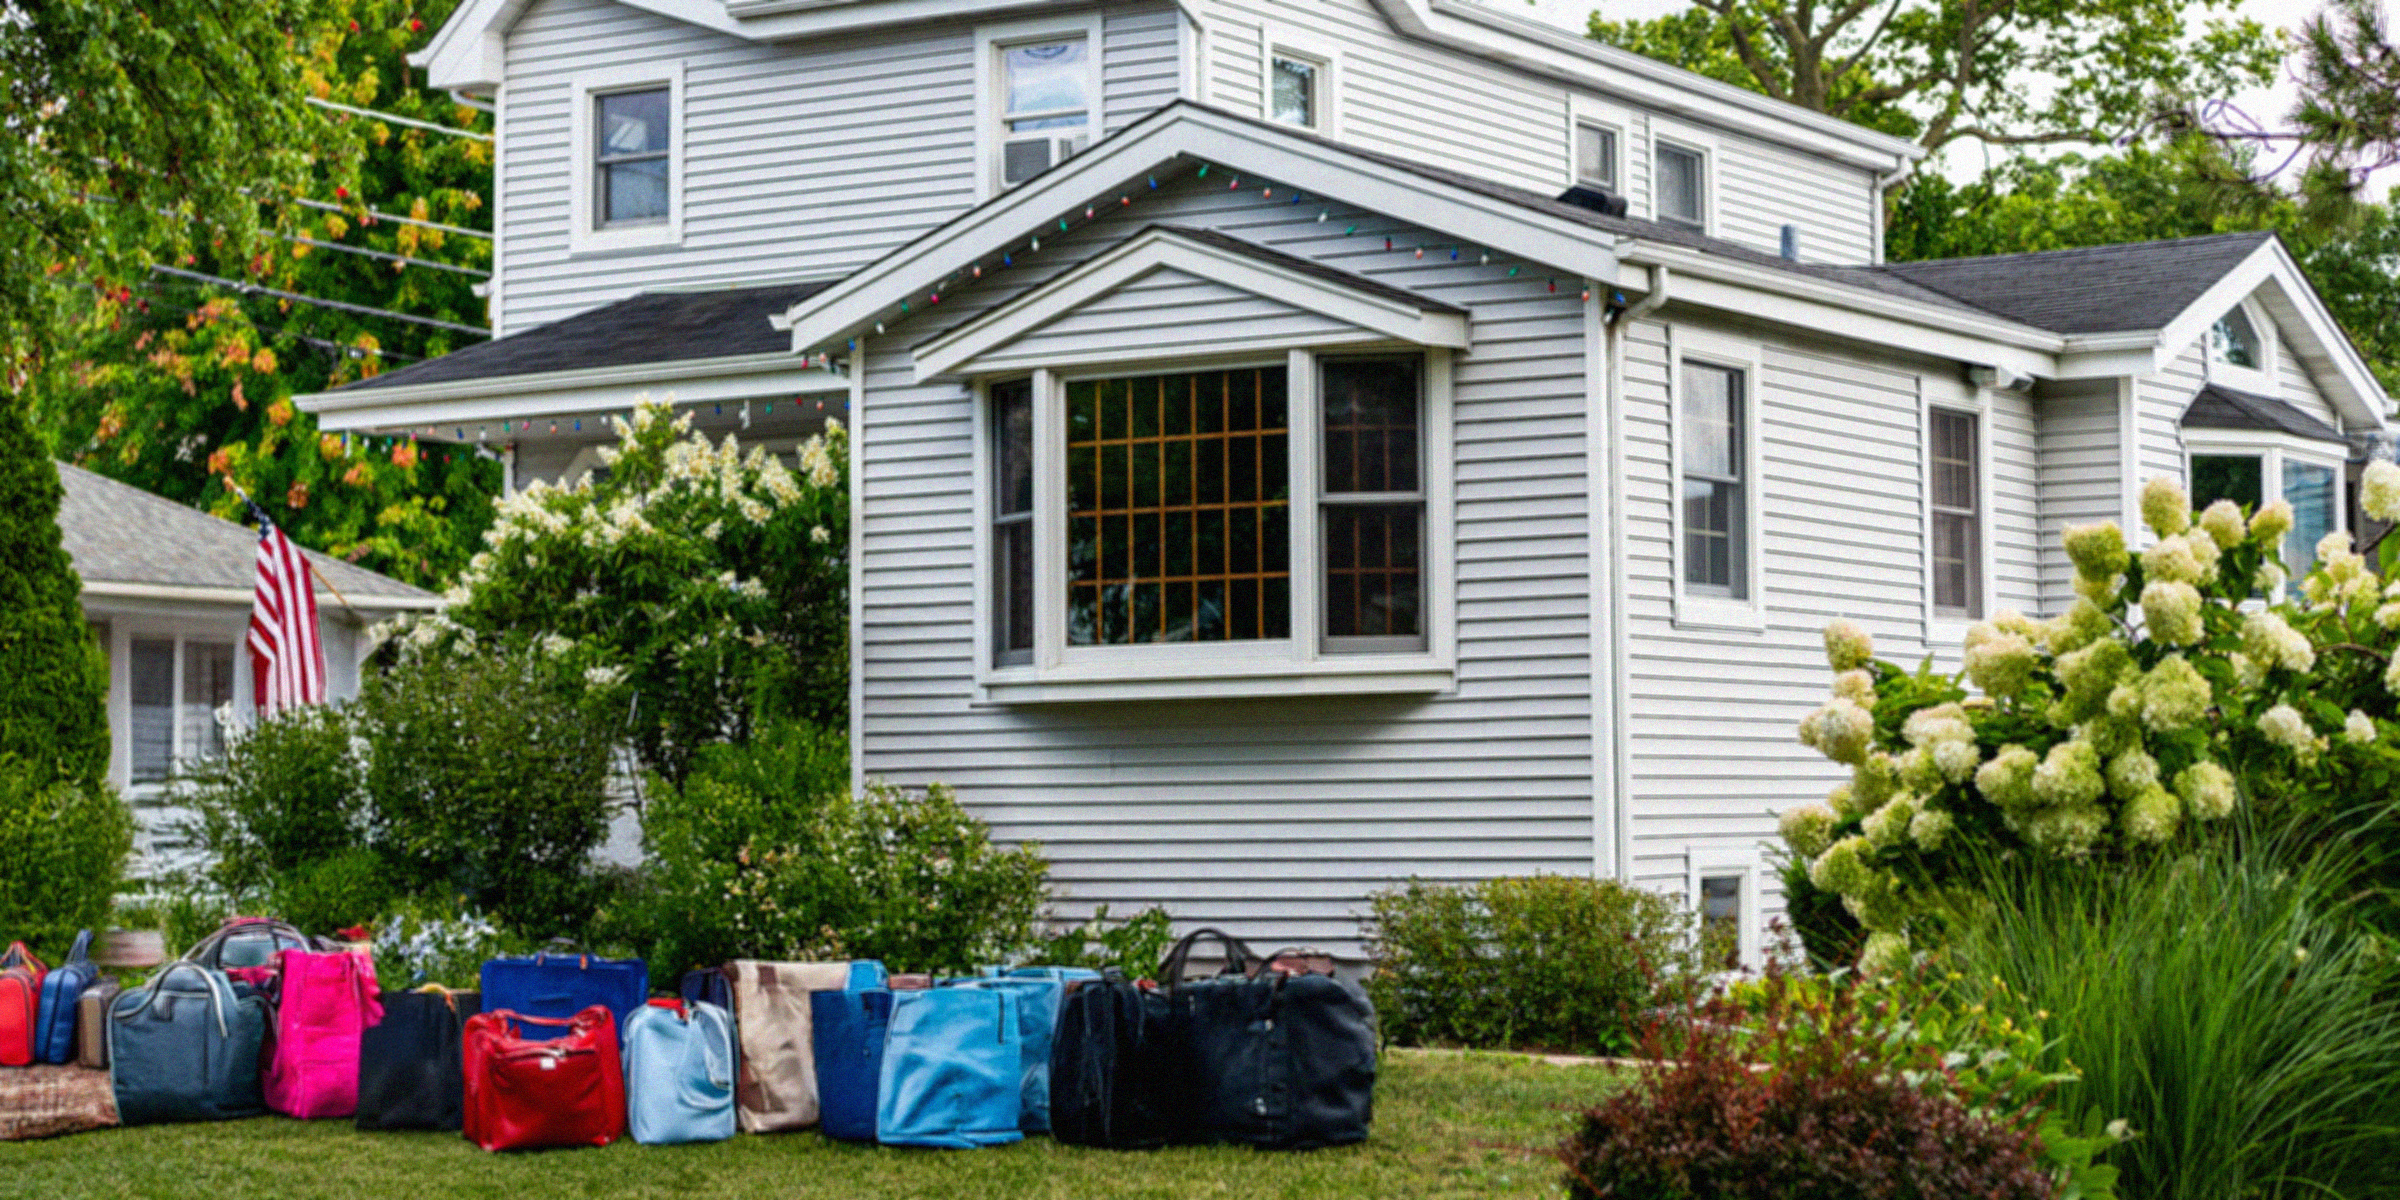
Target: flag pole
264, 520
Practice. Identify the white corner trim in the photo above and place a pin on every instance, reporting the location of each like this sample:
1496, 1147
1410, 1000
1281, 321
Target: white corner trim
584, 233
1167, 249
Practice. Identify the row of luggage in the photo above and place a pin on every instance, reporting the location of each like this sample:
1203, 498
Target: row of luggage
38, 1006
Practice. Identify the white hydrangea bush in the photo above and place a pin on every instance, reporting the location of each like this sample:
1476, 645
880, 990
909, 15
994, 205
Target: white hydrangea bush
2182, 680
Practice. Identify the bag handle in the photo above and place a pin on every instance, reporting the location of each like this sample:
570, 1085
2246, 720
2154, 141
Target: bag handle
212, 980
19, 955
1238, 956
82, 951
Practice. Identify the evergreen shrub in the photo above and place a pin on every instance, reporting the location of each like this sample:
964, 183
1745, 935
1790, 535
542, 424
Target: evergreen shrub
53, 681
62, 855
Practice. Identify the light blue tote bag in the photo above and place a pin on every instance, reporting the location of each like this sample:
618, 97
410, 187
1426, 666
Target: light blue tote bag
1040, 992
679, 1072
953, 1070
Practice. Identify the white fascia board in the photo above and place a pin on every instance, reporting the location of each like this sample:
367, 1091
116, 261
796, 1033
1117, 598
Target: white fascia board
470, 50
783, 20
2303, 324
562, 393
1785, 298
242, 597
1313, 166
1479, 31
1166, 249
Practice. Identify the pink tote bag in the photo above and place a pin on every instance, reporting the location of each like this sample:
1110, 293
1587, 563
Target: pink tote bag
328, 1001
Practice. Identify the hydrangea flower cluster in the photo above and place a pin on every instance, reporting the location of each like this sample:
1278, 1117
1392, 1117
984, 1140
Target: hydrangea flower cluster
2106, 730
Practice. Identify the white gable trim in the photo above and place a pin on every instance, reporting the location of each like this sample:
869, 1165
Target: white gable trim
568, 393
1154, 250
1194, 134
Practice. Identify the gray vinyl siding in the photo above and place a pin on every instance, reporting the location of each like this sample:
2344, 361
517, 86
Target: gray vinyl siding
806, 161
2159, 401
1405, 98
2014, 505
2296, 386
1168, 312
1277, 817
2079, 461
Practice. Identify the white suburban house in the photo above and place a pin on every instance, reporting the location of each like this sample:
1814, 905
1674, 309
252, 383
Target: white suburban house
1305, 444
168, 591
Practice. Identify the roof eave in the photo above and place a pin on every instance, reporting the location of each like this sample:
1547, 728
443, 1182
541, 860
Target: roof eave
118, 589
561, 392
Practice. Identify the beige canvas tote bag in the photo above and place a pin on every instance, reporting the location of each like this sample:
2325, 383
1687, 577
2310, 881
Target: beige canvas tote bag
778, 1082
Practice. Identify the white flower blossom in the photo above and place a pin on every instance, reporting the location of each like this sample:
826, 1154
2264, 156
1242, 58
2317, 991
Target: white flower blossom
2379, 490
2360, 728
2285, 727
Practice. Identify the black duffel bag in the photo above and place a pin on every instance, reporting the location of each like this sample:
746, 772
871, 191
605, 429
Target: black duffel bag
1277, 1059
1114, 1066
409, 1071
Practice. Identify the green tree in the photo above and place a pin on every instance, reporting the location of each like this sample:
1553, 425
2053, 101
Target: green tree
53, 684
179, 386
1943, 70
2348, 118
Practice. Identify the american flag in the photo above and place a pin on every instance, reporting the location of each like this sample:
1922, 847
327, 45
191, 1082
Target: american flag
287, 660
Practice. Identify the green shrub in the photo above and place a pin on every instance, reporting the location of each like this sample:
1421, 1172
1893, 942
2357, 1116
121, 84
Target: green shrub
287, 795
62, 854
1548, 962
1829, 935
53, 681
2220, 1000
1135, 945
353, 887
488, 777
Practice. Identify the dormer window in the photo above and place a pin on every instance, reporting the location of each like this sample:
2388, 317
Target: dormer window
1682, 187
1046, 105
1298, 91
1596, 156
630, 159
2233, 342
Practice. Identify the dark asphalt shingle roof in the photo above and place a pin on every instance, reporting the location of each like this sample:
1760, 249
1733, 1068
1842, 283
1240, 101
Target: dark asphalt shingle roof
2097, 289
1311, 268
2219, 407
118, 533
652, 327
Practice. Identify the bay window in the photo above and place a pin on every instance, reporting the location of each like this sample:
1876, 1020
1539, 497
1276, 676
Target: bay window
1266, 518
2259, 469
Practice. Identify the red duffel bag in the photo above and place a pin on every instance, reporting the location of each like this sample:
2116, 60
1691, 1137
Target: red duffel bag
526, 1095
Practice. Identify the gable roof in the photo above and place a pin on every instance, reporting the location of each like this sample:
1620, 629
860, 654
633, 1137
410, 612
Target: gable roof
2219, 407
120, 535
652, 327
2096, 289
1306, 266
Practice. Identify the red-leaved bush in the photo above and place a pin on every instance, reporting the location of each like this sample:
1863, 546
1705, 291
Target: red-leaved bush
1827, 1117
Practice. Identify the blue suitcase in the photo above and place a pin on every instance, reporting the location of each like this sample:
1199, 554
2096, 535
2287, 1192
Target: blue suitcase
560, 985
54, 1028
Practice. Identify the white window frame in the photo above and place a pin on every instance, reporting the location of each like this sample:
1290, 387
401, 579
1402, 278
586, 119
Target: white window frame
1699, 610
1694, 141
124, 629
1300, 665
2259, 379
2273, 450
585, 233
1587, 110
1948, 629
1275, 43
991, 99
1712, 860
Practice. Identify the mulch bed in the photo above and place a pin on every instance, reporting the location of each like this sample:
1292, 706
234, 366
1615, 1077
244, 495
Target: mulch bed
46, 1101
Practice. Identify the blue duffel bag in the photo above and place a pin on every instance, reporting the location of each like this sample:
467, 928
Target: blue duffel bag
185, 1047
847, 1031
558, 986
54, 1029
679, 1073
1039, 992
953, 1070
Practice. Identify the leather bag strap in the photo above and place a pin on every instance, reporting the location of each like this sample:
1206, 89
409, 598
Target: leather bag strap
1238, 956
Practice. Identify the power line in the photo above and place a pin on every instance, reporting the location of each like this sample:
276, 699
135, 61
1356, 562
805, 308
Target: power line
387, 256
297, 298
326, 344
398, 120
384, 216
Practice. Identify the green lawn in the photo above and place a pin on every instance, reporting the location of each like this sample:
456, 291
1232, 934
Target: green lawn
1467, 1125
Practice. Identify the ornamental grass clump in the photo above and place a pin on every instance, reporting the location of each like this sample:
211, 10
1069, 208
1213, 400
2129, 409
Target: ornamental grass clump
2146, 710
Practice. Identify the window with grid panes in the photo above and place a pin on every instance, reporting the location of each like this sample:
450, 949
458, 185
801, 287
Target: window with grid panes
1179, 508
1372, 500
1957, 502
1715, 512
175, 712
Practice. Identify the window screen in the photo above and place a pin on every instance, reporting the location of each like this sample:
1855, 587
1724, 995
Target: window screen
1681, 187
153, 735
1046, 98
1957, 498
1179, 508
630, 161
1715, 540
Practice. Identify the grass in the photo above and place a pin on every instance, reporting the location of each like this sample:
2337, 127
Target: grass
1475, 1125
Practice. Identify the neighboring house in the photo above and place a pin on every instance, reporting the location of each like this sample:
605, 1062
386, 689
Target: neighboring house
1268, 488
167, 590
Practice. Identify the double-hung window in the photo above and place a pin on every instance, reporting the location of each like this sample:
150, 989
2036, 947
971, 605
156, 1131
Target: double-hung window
177, 686
1596, 156
1373, 503
1715, 479
1012, 521
1955, 497
632, 136
1045, 104
625, 185
1681, 186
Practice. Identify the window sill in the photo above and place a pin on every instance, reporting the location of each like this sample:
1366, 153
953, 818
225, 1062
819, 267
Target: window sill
596, 243
1349, 675
1710, 612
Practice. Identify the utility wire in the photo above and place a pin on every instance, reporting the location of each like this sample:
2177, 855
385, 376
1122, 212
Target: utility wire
326, 344
385, 255
455, 230
398, 120
297, 298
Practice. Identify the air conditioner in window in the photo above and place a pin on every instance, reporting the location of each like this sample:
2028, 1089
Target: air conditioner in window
1024, 158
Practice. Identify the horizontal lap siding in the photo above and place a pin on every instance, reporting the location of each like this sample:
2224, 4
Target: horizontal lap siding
1166, 312
1712, 713
805, 161
2160, 399
1277, 816
2079, 459
2015, 505
2299, 388
1762, 187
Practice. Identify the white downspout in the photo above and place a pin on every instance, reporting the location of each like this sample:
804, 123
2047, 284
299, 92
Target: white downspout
1883, 187
1620, 684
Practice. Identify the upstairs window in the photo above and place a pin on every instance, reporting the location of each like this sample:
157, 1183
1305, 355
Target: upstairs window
1596, 156
1957, 513
2233, 342
630, 169
1682, 187
1715, 511
1297, 92
1045, 105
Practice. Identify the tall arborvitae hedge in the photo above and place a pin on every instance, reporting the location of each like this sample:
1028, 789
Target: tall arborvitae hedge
53, 681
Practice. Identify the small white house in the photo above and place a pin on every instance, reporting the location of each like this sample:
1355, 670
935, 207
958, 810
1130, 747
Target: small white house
168, 589
1303, 445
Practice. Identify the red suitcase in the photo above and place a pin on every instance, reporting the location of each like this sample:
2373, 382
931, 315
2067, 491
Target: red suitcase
564, 1091
20, 1004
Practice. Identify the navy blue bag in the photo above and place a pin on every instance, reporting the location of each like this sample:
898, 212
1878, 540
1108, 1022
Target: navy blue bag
54, 1028
706, 985
847, 1029
559, 986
